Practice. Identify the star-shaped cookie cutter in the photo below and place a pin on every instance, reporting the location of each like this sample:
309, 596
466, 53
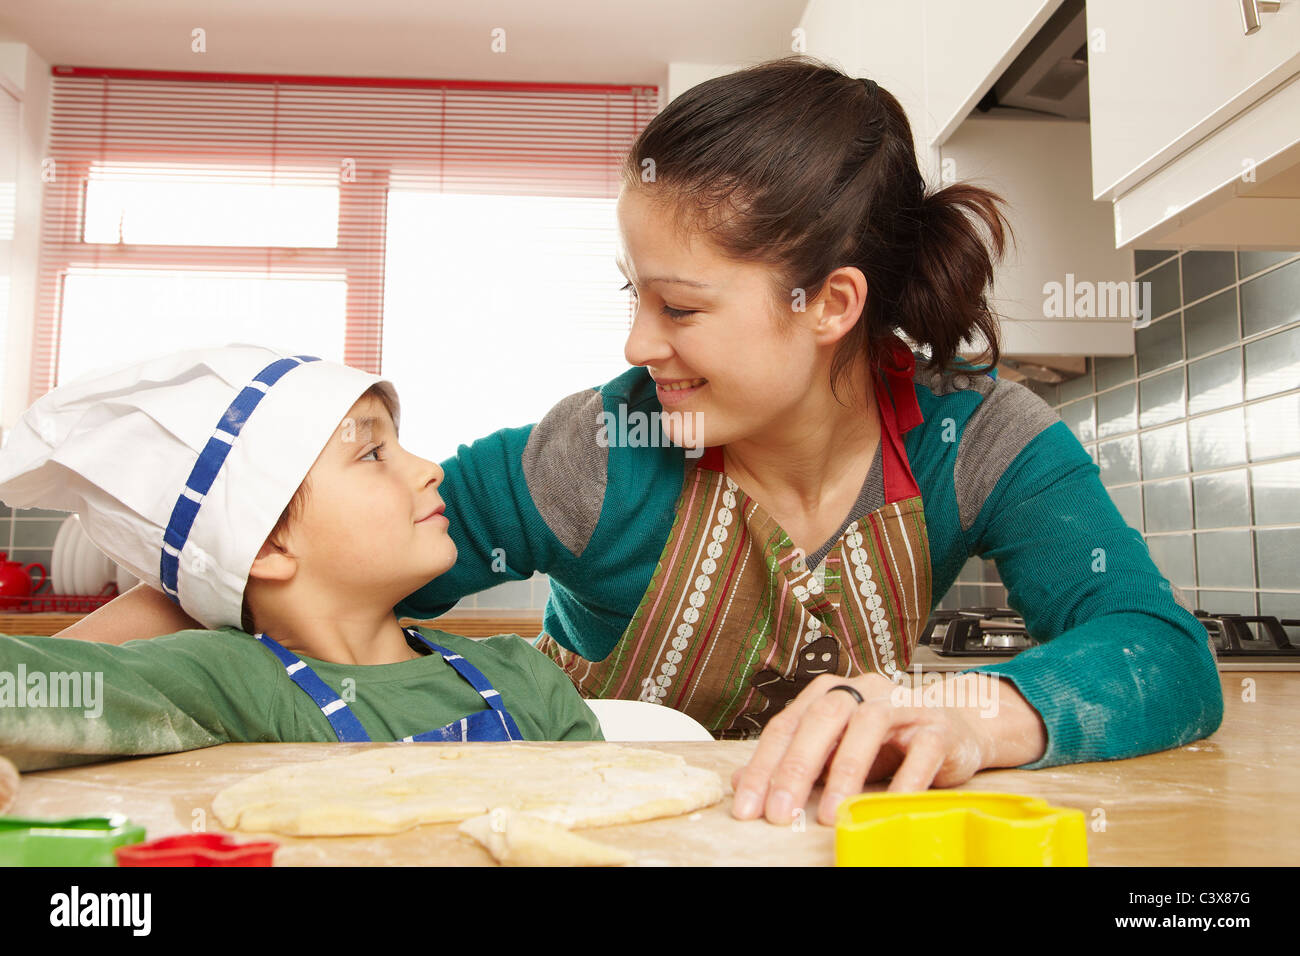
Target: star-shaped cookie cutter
196, 849
958, 828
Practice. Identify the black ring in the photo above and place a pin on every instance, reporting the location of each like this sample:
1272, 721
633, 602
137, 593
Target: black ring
851, 690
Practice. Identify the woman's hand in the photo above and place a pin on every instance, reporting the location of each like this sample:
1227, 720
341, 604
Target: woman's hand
895, 730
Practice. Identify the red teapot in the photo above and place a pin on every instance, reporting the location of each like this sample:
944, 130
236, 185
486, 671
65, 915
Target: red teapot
16, 582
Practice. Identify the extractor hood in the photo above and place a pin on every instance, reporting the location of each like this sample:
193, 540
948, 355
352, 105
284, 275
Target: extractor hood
1050, 75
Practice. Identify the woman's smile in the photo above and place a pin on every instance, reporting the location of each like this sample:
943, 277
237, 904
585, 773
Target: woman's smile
676, 391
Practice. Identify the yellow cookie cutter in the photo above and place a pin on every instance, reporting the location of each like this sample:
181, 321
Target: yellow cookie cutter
957, 828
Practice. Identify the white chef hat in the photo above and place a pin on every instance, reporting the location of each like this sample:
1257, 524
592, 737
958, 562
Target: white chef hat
181, 465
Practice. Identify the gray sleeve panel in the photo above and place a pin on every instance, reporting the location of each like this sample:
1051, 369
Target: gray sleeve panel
1009, 417
566, 468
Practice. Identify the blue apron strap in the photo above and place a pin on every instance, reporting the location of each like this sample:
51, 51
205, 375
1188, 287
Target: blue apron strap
346, 726
491, 696
478, 727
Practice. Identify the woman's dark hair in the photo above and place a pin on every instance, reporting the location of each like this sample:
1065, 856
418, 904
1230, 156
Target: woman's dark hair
793, 163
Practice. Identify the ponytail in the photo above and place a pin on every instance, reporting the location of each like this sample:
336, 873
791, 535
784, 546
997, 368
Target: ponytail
944, 300
814, 170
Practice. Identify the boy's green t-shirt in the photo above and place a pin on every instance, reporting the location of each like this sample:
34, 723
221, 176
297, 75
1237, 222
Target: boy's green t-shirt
199, 688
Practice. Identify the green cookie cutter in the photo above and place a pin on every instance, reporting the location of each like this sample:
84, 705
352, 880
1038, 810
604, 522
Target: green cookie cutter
74, 841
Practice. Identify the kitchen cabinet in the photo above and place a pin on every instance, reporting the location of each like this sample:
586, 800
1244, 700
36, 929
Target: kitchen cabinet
1162, 74
967, 47
939, 58
1194, 132
1039, 165
1190, 137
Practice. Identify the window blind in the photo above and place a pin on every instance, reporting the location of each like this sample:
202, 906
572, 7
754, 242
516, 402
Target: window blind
288, 178
9, 138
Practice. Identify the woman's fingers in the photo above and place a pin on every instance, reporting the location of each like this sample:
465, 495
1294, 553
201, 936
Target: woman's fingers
927, 749
887, 762
820, 728
858, 756
752, 781
825, 736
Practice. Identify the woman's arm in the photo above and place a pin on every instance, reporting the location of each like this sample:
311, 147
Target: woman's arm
529, 499
1015, 733
140, 612
498, 533
1124, 670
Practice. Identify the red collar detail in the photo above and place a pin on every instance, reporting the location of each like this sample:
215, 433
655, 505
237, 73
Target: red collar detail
899, 365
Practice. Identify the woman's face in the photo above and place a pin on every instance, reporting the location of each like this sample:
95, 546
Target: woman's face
710, 323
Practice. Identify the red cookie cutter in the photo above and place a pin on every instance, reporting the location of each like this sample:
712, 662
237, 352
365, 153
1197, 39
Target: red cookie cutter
196, 849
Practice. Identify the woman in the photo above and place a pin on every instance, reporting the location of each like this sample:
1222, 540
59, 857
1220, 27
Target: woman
769, 569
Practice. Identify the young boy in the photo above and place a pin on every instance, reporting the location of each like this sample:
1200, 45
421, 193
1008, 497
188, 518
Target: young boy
179, 467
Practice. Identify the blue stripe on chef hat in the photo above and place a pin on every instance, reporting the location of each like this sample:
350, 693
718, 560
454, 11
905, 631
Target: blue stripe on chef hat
208, 466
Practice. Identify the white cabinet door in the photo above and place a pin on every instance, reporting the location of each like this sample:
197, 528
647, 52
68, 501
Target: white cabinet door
967, 48
1163, 74
1057, 289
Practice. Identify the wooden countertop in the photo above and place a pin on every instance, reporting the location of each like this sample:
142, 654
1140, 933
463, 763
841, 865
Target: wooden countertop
1225, 801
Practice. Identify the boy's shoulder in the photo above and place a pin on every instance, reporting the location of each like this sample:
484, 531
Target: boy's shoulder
221, 652
540, 695
502, 655
219, 642
498, 649
227, 642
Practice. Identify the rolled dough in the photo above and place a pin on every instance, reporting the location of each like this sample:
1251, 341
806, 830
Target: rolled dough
393, 788
517, 839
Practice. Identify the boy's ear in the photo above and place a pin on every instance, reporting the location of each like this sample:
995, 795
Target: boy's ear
273, 563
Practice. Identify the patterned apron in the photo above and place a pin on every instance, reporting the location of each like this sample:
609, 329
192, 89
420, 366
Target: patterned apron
734, 624
492, 724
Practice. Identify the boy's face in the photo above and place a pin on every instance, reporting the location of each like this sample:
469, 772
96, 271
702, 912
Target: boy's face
361, 530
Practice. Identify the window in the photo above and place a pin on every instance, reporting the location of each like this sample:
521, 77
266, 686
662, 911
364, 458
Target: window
496, 307
109, 313
9, 130
456, 237
205, 205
